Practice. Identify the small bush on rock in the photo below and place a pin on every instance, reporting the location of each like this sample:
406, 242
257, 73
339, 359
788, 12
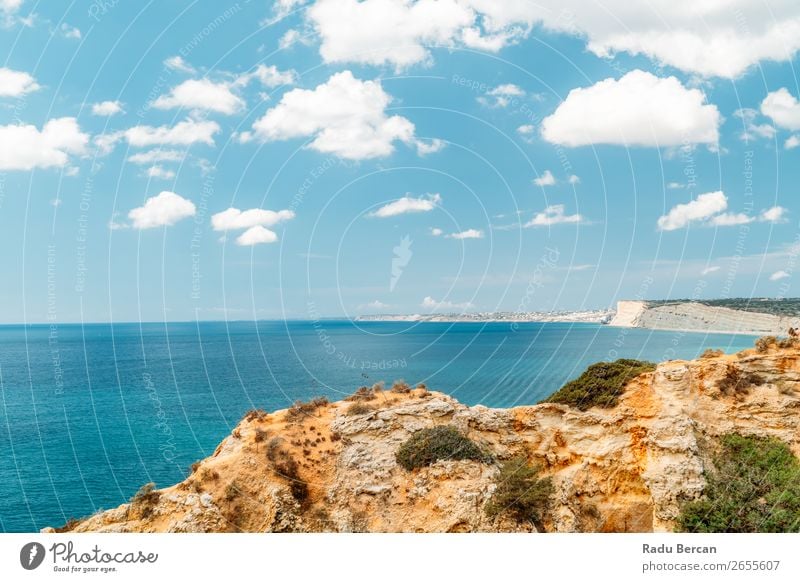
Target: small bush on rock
753, 488
520, 493
429, 445
763, 344
601, 384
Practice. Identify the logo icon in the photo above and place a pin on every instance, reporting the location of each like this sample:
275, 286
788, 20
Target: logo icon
31, 555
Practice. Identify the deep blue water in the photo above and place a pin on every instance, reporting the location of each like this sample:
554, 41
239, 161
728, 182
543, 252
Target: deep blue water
88, 414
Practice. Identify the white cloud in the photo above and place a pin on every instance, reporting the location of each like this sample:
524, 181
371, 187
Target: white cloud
432, 304
501, 96
16, 83
407, 205
730, 219
431, 146
25, 147
526, 129
269, 77
289, 38
436, 231
783, 108
70, 31
778, 275
106, 108
187, 132
675, 186
709, 270
157, 155
752, 130
792, 142
552, 215
177, 63
715, 38
466, 234
202, 95
546, 179
256, 235
393, 32
774, 214
235, 219
639, 109
10, 5
163, 210
159, 172
709, 210
573, 179
702, 208
345, 116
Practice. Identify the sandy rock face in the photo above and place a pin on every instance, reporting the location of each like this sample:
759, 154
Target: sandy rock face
628, 468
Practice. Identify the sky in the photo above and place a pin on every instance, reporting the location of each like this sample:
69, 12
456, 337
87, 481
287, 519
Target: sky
190, 160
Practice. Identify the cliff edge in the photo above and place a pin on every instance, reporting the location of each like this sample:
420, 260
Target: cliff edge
332, 466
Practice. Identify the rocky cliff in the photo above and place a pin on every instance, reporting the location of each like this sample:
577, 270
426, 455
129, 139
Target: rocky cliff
332, 466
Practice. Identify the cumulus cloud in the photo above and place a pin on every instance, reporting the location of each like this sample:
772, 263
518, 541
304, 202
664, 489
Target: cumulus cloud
778, 275
751, 129
552, 215
268, 76
573, 179
407, 205
201, 95
256, 235
345, 117
165, 209
791, 142
159, 172
501, 96
70, 31
639, 109
235, 219
106, 108
782, 108
177, 63
184, 133
546, 179
709, 209
466, 234
25, 147
702, 208
432, 304
430, 146
16, 83
526, 129
706, 38
156, 155
436, 231
774, 214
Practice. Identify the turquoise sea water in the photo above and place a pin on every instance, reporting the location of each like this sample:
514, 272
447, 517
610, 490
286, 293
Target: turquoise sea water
88, 414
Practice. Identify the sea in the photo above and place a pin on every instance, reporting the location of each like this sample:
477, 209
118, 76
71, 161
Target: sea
89, 413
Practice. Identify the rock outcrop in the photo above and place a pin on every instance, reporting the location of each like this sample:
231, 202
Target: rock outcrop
326, 468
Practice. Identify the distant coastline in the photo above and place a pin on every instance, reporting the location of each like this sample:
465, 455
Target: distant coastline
587, 316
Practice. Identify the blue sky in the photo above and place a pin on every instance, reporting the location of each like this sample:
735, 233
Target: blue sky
188, 160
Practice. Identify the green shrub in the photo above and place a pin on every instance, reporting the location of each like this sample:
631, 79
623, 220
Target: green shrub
754, 487
601, 384
429, 445
520, 493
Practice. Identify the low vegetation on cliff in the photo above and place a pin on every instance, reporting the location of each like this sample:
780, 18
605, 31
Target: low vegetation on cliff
601, 384
429, 445
520, 493
753, 487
